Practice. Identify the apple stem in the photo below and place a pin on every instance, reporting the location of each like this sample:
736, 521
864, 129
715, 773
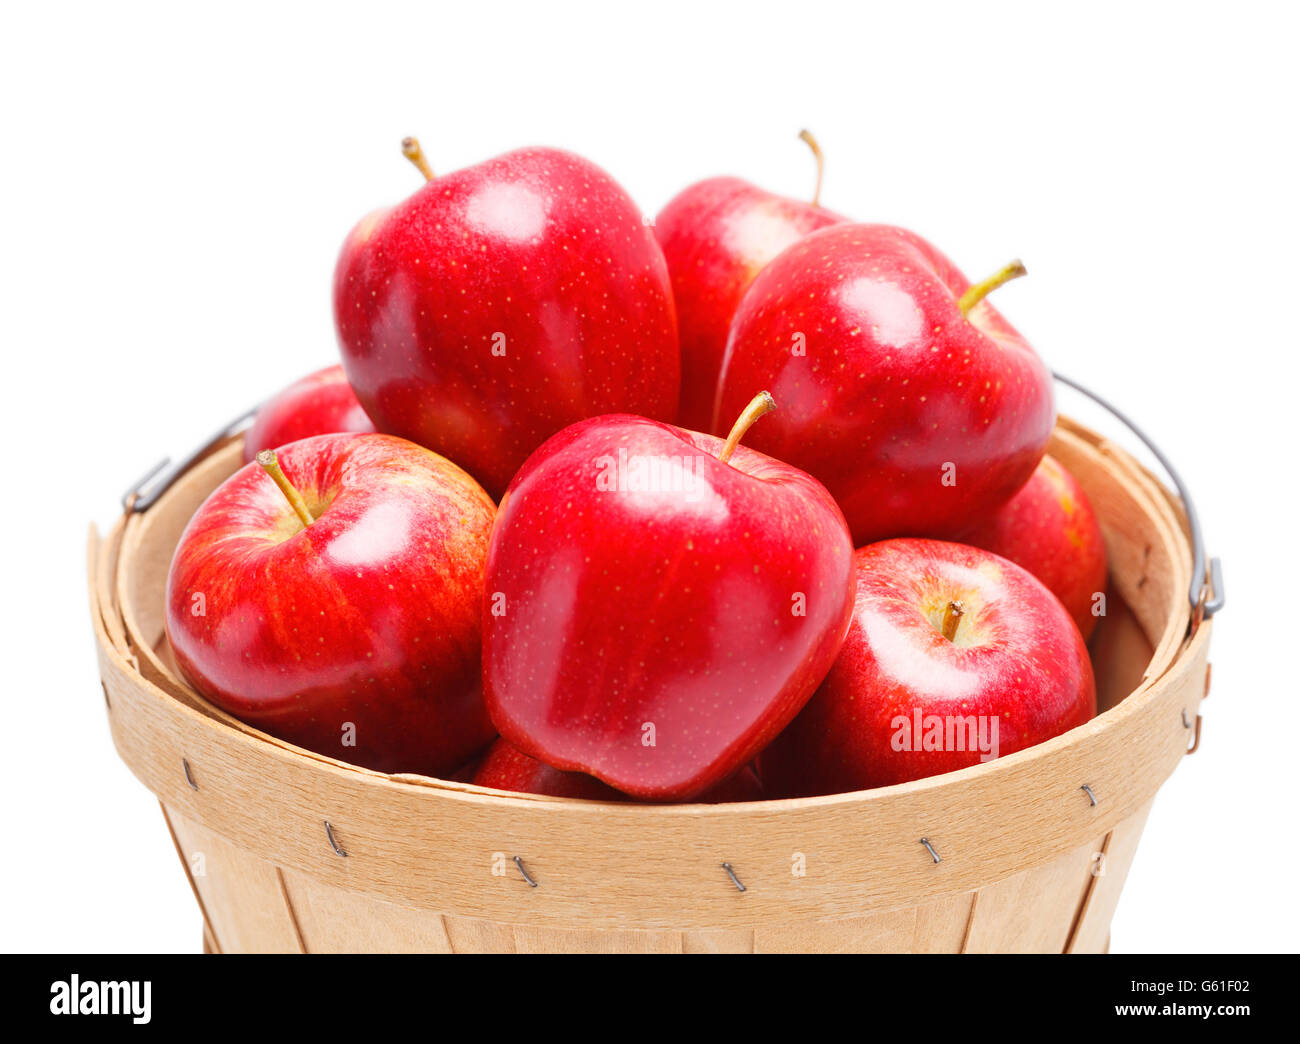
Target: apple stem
760, 404
978, 291
806, 136
271, 465
951, 618
412, 151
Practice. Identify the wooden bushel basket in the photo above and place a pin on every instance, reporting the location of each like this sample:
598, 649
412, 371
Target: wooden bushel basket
288, 850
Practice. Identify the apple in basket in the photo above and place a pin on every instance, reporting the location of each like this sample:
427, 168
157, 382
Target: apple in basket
659, 603
1050, 528
330, 594
955, 657
507, 768
901, 388
319, 404
717, 235
502, 302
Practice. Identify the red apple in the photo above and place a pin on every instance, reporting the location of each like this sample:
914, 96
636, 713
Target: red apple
341, 611
321, 403
901, 389
657, 608
955, 656
507, 768
739, 786
1050, 528
716, 236
502, 302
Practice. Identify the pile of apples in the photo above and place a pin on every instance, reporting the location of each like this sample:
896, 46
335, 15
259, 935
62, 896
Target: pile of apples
517, 539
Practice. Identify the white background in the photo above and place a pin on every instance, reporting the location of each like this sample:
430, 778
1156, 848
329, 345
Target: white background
177, 181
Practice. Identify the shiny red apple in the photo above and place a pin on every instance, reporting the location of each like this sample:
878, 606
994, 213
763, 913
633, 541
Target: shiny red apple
955, 656
319, 404
901, 389
657, 608
341, 611
507, 768
716, 236
502, 302
1050, 528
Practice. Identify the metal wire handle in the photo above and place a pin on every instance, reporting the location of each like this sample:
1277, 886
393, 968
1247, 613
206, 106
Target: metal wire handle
1206, 599
158, 479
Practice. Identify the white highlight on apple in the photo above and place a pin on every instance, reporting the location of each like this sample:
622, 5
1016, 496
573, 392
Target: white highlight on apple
651, 473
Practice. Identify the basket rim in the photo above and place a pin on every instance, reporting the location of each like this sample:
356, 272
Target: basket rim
120, 667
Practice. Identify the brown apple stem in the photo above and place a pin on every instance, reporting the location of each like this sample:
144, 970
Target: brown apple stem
806, 136
412, 151
951, 618
760, 404
271, 466
978, 291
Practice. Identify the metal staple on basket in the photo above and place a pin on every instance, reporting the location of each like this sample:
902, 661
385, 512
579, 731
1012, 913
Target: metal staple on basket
519, 862
329, 833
